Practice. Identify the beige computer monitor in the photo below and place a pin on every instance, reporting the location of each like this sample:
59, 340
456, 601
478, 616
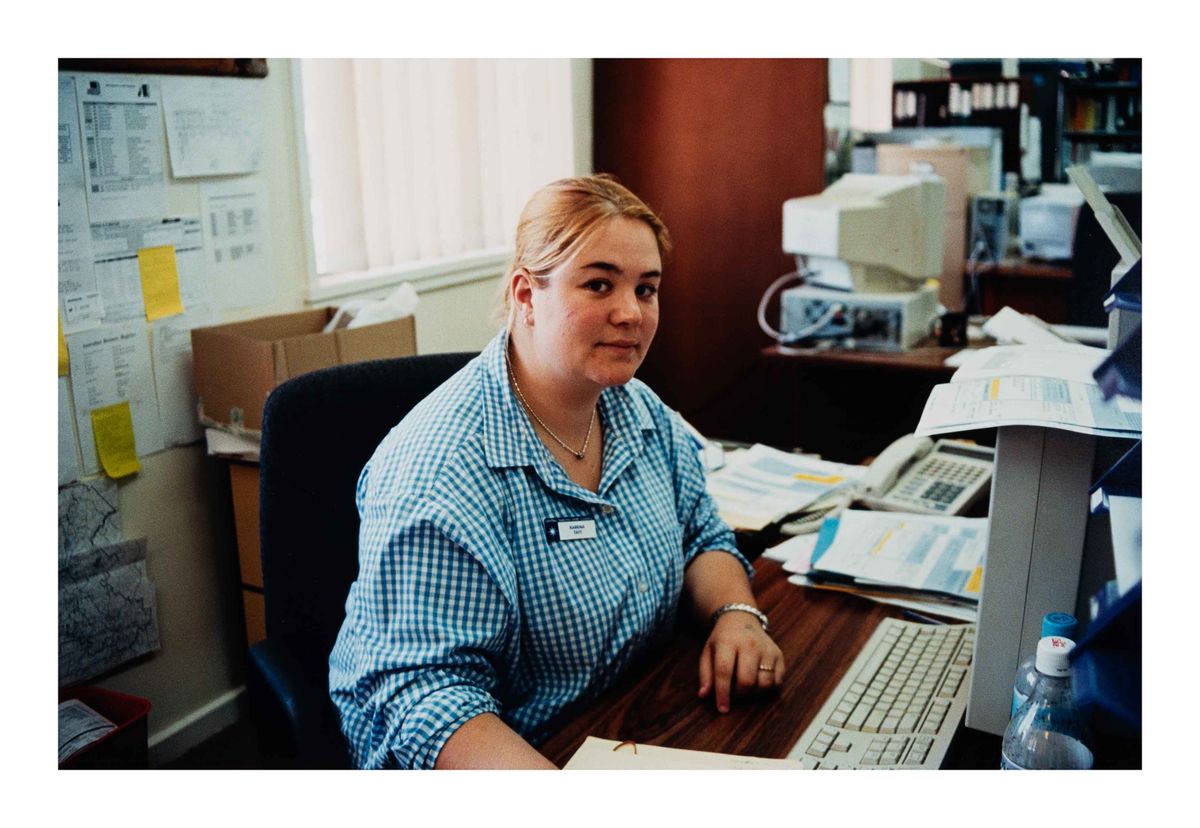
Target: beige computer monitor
967, 171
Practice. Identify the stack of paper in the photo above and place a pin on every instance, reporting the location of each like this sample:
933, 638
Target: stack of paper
1039, 385
929, 563
761, 485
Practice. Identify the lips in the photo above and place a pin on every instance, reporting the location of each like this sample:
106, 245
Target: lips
622, 344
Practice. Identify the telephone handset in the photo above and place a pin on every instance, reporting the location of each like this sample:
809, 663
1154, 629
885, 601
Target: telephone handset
915, 474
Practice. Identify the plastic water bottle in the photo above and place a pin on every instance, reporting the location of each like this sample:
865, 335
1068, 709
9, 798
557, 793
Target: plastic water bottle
1061, 624
1047, 732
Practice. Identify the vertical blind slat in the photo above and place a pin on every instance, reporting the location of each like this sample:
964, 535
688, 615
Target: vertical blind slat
412, 160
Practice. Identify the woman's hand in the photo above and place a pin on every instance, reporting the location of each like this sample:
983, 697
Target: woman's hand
738, 655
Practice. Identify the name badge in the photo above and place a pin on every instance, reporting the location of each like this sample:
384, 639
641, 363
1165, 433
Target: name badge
569, 529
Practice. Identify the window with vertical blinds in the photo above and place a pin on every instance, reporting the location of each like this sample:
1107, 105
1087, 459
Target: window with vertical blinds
417, 169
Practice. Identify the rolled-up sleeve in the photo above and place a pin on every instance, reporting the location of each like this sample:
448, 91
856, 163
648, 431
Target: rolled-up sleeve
418, 655
703, 528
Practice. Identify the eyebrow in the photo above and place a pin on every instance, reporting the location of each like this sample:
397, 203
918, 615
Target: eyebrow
612, 268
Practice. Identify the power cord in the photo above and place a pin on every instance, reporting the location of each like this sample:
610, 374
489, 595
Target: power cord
785, 340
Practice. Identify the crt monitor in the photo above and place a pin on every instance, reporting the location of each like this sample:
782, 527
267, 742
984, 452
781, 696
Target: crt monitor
869, 233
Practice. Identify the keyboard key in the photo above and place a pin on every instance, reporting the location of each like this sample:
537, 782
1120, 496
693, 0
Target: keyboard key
855, 722
872, 723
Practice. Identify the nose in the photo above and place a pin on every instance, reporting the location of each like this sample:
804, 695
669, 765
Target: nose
626, 310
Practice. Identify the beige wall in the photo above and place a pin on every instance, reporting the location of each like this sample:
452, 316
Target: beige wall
180, 499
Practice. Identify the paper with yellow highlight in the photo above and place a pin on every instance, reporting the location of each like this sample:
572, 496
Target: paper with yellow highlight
920, 553
975, 582
824, 480
112, 427
160, 281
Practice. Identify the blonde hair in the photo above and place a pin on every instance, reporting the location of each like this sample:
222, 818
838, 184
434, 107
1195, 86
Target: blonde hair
560, 217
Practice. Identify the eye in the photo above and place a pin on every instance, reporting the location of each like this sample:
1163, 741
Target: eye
647, 291
597, 285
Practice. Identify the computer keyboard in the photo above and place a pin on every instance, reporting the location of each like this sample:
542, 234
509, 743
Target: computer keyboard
899, 703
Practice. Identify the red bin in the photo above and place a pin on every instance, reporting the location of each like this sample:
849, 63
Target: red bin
126, 746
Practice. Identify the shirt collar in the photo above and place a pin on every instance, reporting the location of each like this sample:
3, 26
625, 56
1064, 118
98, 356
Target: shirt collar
509, 438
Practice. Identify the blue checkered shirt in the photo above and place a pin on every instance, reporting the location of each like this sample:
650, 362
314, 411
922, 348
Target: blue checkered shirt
464, 605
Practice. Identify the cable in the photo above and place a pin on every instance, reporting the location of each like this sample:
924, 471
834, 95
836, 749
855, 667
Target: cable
973, 302
785, 339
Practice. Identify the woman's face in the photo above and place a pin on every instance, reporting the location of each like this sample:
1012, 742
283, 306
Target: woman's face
595, 320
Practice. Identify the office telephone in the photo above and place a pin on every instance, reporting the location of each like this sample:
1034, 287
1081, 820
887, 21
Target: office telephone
916, 474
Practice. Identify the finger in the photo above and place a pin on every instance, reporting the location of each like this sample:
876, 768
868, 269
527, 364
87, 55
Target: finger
723, 666
747, 669
706, 670
780, 668
766, 672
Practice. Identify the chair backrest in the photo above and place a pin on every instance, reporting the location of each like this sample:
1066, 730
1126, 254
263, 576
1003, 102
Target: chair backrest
319, 430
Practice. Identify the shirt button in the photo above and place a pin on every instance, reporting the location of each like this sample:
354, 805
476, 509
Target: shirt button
606, 509
643, 586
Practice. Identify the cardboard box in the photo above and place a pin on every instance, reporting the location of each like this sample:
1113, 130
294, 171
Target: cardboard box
967, 172
238, 365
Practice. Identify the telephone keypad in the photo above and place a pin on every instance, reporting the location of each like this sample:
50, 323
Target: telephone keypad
937, 483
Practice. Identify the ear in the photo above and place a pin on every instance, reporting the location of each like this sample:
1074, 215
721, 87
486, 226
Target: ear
521, 293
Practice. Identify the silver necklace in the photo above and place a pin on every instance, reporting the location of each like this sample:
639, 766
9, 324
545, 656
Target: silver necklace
592, 422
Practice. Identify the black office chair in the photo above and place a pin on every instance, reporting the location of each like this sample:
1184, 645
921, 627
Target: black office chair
319, 429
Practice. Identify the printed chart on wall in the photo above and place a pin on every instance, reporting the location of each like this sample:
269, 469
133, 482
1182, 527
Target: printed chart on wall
135, 279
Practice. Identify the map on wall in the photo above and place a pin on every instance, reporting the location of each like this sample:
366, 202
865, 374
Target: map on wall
106, 609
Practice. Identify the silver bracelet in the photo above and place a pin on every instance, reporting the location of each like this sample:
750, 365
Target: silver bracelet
757, 613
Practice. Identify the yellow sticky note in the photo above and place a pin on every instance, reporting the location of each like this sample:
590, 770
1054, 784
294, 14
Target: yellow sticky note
160, 281
63, 360
112, 428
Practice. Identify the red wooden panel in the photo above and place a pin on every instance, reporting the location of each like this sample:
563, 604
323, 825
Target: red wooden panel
716, 146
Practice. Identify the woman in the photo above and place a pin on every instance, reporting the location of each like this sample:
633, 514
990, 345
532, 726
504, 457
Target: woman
528, 529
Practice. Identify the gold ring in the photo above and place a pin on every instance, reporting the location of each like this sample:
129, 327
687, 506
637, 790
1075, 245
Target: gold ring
764, 668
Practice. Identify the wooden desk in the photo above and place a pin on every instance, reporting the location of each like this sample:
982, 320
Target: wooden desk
844, 404
820, 634
1030, 287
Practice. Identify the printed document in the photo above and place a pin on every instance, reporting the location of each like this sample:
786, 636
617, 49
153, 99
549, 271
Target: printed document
78, 295
919, 552
171, 349
944, 609
115, 245
108, 365
1036, 385
1029, 400
236, 242
214, 125
78, 727
123, 150
762, 485
606, 754
1060, 361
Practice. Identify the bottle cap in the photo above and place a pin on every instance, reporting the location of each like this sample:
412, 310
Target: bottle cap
1053, 656
1061, 624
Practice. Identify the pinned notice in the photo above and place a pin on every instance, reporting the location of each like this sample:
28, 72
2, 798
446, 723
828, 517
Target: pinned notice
113, 430
160, 281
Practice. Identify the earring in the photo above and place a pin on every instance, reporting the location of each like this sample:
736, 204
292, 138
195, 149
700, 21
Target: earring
529, 320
